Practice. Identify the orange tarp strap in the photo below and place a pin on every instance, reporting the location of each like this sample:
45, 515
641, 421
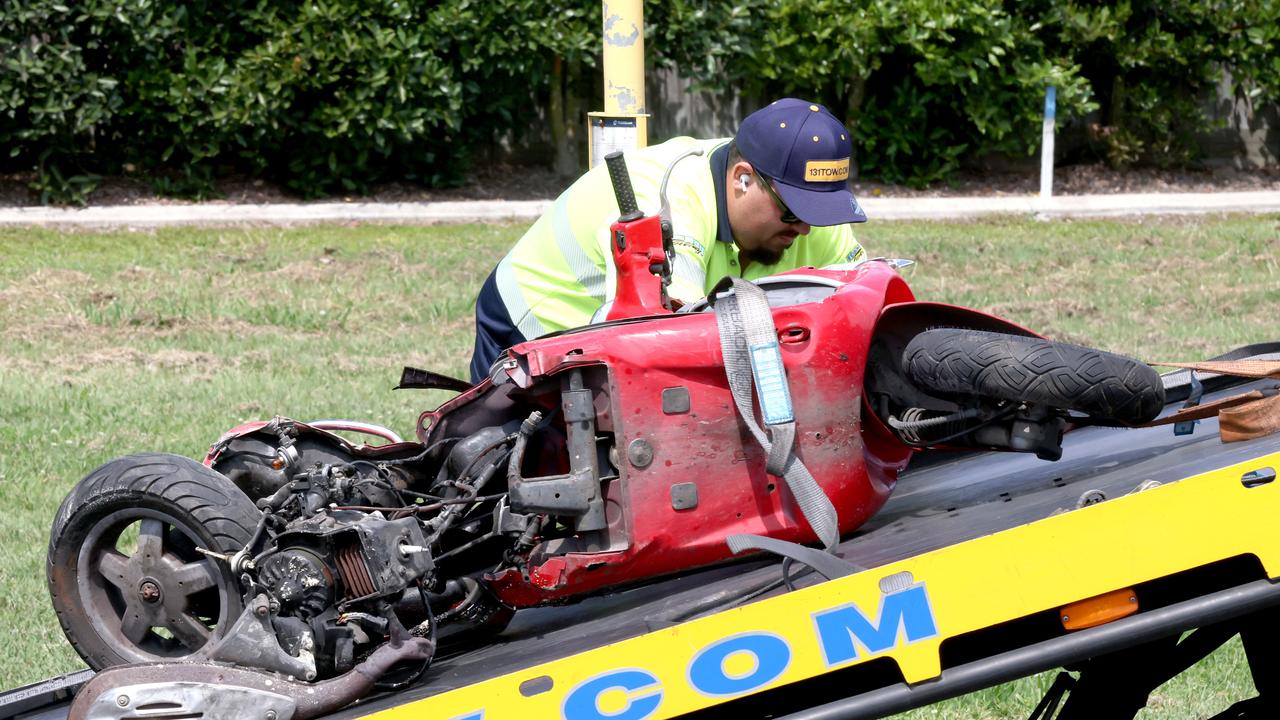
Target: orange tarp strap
1240, 417
1207, 410
1238, 368
1250, 421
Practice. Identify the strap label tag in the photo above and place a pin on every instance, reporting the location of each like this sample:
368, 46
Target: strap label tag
771, 384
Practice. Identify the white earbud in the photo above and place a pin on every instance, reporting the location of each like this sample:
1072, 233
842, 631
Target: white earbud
743, 181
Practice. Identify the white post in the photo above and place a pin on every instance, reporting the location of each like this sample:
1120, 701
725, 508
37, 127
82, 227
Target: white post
1046, 143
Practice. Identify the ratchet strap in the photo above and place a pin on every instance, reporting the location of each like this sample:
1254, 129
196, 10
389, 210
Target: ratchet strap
749, 343
1240, 417
1239, 368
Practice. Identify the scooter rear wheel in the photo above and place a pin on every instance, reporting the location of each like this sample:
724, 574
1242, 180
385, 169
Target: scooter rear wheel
126, 579
1105, 386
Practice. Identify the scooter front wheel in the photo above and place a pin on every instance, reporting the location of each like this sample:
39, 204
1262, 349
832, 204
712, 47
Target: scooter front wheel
959, 362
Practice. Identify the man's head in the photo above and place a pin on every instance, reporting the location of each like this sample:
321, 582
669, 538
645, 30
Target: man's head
789, 171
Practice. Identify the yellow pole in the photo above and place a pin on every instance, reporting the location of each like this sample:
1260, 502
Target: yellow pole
623, 78
624, 57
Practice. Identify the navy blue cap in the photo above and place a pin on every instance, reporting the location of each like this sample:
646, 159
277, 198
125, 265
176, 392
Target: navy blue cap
805, 151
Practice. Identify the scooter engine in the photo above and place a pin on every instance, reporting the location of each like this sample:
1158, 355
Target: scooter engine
333, 579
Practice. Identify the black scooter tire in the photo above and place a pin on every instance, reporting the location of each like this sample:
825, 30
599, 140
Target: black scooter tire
106, 593
1105, 386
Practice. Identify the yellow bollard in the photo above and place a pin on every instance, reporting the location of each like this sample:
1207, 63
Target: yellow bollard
624, 57
624, 124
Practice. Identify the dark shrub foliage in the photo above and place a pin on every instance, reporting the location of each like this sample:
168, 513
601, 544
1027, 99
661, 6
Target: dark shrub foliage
925, 82
328, 96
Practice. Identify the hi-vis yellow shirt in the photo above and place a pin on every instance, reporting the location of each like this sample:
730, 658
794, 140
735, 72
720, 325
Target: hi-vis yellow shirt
561, 271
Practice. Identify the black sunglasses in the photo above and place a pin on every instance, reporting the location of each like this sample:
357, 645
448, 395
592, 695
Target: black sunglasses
788, 217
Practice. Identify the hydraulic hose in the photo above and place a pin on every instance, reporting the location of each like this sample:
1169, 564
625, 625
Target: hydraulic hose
527, 428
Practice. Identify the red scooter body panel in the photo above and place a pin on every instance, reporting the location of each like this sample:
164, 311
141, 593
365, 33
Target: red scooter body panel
707, 450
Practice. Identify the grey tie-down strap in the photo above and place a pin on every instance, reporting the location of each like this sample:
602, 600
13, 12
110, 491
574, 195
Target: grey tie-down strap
749, 343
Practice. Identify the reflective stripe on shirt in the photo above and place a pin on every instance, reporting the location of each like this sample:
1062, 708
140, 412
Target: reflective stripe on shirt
519, 310
589, 276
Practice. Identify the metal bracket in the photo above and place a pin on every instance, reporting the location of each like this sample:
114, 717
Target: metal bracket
251, 642
576, 494
1186, 427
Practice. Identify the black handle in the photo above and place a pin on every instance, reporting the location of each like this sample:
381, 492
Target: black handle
622, 187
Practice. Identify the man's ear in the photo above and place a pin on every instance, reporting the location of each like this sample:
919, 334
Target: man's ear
740, 170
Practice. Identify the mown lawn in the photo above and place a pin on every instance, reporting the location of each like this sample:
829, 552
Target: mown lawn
125, 341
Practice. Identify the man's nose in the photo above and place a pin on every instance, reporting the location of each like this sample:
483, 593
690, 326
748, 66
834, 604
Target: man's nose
801, 227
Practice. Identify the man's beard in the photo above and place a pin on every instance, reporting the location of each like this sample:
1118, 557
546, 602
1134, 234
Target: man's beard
764, 256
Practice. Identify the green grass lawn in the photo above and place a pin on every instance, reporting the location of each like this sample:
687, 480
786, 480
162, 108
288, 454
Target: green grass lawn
119, 342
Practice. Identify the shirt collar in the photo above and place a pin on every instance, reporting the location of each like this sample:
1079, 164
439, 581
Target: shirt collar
719, 169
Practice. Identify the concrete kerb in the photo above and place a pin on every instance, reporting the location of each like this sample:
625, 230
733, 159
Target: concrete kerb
415, 213
426, 213
1067, 206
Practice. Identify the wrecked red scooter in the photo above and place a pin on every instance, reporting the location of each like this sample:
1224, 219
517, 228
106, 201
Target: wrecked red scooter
598, 458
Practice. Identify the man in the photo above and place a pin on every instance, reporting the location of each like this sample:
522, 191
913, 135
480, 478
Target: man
774, 198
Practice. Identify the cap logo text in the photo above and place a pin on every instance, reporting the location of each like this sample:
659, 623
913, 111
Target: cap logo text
826, 170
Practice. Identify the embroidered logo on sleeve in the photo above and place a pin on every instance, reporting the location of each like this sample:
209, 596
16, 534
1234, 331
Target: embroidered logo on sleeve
685, 241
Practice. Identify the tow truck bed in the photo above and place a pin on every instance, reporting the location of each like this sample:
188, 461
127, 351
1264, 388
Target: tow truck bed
971, 563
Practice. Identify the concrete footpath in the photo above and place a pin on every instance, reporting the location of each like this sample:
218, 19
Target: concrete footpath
426, 213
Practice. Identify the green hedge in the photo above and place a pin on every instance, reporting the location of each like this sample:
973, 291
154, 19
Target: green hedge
924, 83
323, 96
329, 96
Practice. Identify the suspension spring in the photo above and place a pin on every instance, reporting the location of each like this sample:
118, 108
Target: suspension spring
919, 426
